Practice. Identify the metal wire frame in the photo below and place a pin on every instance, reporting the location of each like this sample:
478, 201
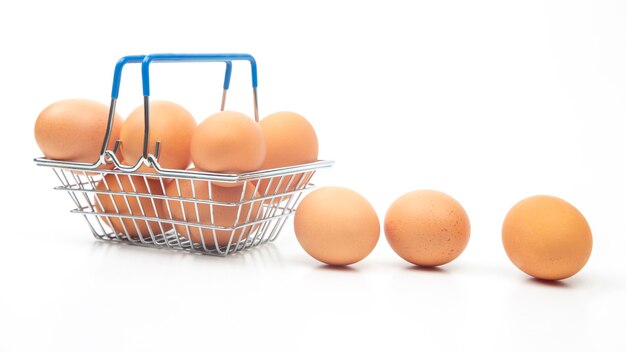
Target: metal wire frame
185, 212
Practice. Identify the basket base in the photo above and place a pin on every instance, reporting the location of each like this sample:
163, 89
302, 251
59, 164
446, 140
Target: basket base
173, 241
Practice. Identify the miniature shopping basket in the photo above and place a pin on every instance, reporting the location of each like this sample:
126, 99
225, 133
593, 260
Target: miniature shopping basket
180, 209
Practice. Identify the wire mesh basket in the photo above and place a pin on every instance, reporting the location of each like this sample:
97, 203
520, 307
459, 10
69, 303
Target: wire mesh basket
194, 211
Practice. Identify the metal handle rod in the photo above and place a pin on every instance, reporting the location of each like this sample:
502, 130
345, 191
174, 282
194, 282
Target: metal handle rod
115, 91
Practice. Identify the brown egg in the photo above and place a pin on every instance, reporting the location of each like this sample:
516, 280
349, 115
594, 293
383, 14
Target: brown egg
215, 214
290, 140
73, 130
170, 124
136, 205
228, 142
277, 186
336, 226
546, 237
427, 228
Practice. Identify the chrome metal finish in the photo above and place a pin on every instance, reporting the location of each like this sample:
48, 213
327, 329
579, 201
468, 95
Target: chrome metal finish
256, 105
107, 134
146, 125
223, 100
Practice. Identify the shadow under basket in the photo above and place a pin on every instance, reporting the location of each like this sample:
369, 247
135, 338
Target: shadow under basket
193, 211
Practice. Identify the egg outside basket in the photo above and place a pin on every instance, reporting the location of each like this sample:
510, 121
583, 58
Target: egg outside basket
125, 205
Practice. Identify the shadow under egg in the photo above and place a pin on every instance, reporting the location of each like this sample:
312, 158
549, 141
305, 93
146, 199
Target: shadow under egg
427, 269
549, 283
343, 268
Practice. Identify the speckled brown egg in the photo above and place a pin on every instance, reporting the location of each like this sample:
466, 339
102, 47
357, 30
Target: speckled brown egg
228, 142
170, 124
336, 226
73, 130
427, 228
290, 139
547, 237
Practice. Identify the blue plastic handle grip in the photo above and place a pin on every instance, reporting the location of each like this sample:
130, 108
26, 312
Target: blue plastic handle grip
117, 74
229, 70
145, 67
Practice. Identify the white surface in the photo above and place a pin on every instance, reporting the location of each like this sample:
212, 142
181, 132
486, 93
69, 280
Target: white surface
488, 101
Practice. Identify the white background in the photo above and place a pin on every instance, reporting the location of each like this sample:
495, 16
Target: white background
488, 101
